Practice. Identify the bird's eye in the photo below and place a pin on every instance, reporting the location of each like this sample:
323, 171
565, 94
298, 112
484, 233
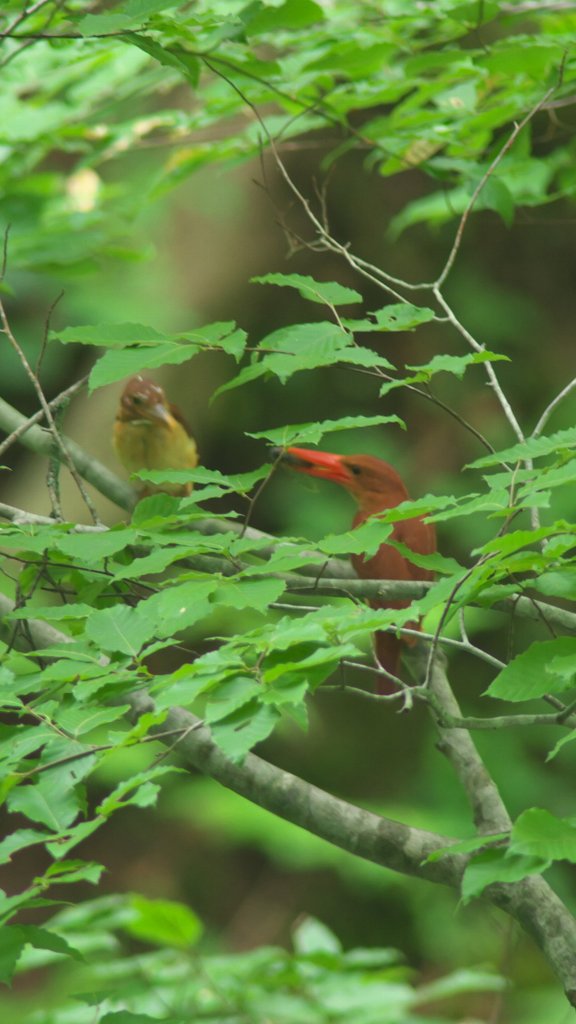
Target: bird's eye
137, 399
355, 470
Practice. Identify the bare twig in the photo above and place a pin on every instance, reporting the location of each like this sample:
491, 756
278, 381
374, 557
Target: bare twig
551, 407
518, 128
53, 403
27, 13
41, 441
7, 331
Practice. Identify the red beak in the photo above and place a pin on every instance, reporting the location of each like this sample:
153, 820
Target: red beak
314, 463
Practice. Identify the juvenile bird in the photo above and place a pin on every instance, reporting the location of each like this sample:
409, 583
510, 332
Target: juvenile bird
375, 486
150, 433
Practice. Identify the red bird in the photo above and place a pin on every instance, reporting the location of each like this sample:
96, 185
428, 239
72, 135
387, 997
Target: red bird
376, 486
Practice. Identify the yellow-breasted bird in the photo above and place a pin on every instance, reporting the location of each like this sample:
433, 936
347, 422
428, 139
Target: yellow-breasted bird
150, 433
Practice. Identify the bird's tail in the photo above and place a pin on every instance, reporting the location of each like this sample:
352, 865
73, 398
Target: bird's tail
388, 649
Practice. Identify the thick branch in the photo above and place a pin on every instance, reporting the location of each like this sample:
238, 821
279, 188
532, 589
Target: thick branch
42, 442
488, 808
381, 840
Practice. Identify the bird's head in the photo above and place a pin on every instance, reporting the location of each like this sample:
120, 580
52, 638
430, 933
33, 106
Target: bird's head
143, 401
371, 481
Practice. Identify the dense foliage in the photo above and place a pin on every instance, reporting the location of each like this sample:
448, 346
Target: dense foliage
104, 111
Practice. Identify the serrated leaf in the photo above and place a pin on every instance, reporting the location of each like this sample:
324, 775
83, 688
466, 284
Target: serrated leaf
241, 731
54, 613
230, 695
456, 365
171, 57
328, 292
312, 433
249, 593
93, 547
19, 840
363, 540
180, 606
533, 448
531, 675
62, 845
537, 833
43, 938
149, 565
498, 865
108, 335
55, 809
12, 942
116, 364
402, 316
121, 629
291, 350
140, 790
66, 871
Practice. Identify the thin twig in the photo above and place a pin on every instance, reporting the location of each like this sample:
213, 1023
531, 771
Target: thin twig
7, 330
551, 407
518, 128
22, 17
46, 333
39, 415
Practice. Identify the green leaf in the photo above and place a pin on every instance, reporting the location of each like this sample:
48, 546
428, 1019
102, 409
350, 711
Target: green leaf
312, 433
292, 14
121, 629
117, 364
93, 547
537, 833
12, 942
460, 982
531, 674
67, 871
401, 316
497, 196
291, 350
498, 865
128, 1017
363, 540
109, 335
327, 292
179, 606
78, 833
149, 565
56, 811
311, 937
455, 365
243, 729
43, 938
136, 791
19, 840
230, 695
249, 593
533, 448
163, 923
168, 56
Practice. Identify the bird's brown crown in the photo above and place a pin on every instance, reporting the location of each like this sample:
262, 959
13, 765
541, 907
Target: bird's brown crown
142, 398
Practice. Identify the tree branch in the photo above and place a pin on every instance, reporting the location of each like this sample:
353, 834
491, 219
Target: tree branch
42, 442
383, 841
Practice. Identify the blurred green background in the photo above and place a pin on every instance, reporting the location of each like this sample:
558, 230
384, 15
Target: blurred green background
249, 876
